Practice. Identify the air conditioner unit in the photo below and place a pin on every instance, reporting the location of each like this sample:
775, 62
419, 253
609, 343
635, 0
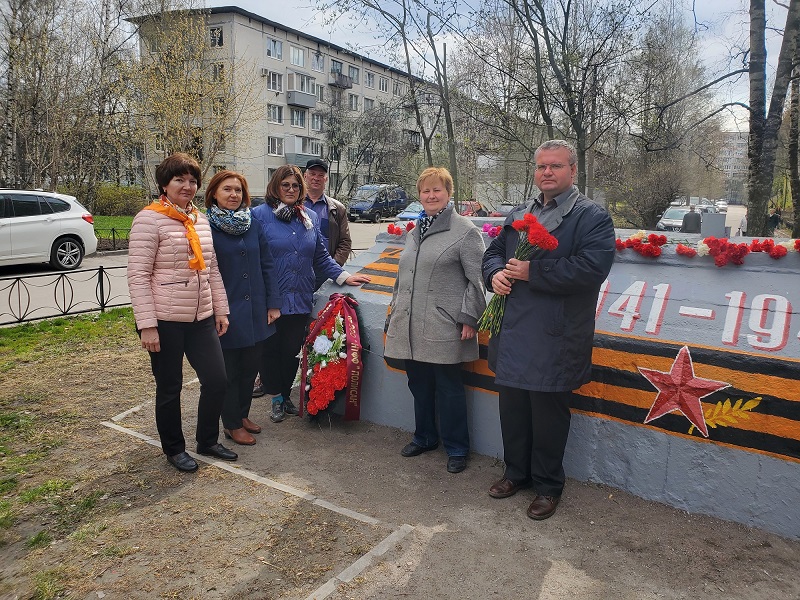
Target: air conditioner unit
264, 71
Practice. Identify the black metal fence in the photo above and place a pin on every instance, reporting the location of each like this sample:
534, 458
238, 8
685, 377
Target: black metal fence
35, 297
112, 239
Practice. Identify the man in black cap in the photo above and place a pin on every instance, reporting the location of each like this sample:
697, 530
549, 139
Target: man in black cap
332, 214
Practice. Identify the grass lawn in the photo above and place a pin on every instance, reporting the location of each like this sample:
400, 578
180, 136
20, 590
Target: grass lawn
101, 222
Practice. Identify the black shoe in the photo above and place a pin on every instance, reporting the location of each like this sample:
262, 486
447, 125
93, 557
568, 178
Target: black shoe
413, 449
182, 462
456, 464
289, 408
219, 451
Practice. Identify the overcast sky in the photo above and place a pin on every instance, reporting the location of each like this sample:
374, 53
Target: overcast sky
721, 23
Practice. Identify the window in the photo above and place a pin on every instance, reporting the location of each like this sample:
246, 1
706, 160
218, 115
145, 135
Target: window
352, 72
275, 81
333, 180
218, 72
353, 155
25, 206
215, 34
274, 113
298, 56
317, 122
320, 93
369, 104
383, 84
218, 107
336, 66
354, 180
310, 145
298, 117
301, 83
352, 101
369, 79
336, 97
57, 205
318, 62
275, 146
221, 142
275, 49
398, 89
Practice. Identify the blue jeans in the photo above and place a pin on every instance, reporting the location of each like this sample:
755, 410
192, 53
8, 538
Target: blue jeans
435, 385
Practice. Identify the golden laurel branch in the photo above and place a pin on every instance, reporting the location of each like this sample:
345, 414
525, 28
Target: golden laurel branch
725, 414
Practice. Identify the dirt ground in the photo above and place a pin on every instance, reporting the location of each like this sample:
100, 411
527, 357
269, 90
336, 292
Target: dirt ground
323, 510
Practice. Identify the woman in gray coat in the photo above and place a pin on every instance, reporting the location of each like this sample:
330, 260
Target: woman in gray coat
437, 301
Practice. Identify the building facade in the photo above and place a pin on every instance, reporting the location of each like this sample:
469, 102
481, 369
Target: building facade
315, 99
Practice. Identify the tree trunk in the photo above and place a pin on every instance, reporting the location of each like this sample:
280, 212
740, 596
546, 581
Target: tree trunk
794, 131
764, 126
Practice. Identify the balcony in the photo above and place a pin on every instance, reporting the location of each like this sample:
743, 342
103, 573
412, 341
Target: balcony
340, 80
302, 99
298, 158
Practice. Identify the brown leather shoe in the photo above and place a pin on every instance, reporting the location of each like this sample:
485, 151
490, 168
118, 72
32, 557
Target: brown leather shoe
506, 488
543, 507
250, 426
240, 436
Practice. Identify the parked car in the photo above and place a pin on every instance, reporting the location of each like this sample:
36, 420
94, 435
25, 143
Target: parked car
722, 206
410, 212
503, 210
375, 201
413, 210
672, 219
37, 226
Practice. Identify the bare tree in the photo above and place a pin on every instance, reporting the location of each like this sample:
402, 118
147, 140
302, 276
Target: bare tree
765, 122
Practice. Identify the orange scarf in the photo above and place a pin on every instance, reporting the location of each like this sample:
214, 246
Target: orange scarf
165, 207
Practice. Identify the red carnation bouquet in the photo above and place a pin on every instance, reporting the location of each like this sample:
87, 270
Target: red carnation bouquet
532, 235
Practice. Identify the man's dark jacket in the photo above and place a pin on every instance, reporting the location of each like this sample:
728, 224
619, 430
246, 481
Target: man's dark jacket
545, 342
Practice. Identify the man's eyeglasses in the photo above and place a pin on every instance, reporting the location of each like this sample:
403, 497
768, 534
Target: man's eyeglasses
290, 186
553, 167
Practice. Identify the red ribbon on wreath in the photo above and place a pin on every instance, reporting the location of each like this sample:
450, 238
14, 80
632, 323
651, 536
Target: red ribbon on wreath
346, 305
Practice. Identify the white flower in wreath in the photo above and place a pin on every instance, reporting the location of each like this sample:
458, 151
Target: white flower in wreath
322, 344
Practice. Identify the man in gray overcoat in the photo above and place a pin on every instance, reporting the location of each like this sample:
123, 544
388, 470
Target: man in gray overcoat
544, 349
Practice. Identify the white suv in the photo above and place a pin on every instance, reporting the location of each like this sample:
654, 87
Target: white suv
37, 226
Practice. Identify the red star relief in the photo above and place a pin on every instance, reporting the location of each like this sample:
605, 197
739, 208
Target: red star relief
680, 390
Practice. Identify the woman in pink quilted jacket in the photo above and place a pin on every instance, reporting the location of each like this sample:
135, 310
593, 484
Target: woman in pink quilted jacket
180, 308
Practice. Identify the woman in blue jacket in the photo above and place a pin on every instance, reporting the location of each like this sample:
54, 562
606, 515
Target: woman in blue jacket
299, 251
246, 266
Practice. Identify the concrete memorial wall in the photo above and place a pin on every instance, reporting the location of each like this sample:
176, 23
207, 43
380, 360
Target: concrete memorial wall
695, 394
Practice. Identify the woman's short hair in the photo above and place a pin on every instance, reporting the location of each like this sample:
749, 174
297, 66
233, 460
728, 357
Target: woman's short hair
281, 173
439, 173
216, 181
174, 165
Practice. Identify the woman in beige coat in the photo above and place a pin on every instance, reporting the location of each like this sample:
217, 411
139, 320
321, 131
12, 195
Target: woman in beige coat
180, 308
437, 301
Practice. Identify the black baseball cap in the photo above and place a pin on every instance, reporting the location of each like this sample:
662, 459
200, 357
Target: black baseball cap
317, 162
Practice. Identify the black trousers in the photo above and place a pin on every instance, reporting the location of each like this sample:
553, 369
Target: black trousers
241, 365
535, 426
198, 341
279, 360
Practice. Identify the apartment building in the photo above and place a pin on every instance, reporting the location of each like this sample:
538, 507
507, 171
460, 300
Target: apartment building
303, 83
734, 164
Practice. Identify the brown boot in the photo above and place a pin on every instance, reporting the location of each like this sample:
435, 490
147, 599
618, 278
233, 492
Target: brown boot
250, 426
240, 436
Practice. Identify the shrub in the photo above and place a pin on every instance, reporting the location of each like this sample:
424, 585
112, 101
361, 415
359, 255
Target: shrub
111, 199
